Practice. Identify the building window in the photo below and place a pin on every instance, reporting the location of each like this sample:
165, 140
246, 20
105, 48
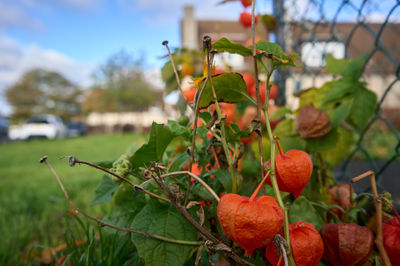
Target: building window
234, 60
313, 54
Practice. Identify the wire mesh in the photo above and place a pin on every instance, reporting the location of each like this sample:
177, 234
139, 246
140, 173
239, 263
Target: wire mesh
348, 29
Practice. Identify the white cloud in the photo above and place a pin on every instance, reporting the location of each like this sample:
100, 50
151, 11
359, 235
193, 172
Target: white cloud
13, 16
39, 4
153, 76
161, 11
79, 4
16, 60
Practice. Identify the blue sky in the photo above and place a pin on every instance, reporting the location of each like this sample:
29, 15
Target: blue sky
74, 36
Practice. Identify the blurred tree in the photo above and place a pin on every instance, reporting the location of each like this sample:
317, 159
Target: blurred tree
121, 87
40, 92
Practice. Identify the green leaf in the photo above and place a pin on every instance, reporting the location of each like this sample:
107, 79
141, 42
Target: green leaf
307, 97
223, 177
104, 191
303, 210
342, 148
292, 143
280, 113
363, 107
285, 128
229, 88
323, 143
269, 48
225, 45
167, 71
232, 136
340, 113
351, 68
164, 221
106, 164
335, 91
206, 116
275, 50
202, 132
160, 137
128, 203
200, 191
179, 162
168, 76
178, 130
181, 105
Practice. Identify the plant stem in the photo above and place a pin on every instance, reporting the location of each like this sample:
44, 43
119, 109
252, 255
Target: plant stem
177, 76
196, 115
254, 195
201, 181
223, 133
279, 148
276, 189
257, 85
73, 160
103, 223
378, 207
203, 231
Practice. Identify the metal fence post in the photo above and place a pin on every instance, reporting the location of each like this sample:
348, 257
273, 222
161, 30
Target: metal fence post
280, 75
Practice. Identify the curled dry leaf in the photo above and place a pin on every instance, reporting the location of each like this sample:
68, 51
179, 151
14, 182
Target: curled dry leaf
312, 123
347, 244
199, 212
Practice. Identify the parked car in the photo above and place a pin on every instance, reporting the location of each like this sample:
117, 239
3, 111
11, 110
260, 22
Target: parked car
75, 129
47, 126
3, 129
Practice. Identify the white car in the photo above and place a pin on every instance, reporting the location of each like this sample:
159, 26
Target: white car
47, 126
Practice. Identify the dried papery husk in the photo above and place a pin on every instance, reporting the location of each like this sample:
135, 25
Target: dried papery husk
293, 171
250, 223
391, 239
312, 123
340, 195
347, 244
306, 242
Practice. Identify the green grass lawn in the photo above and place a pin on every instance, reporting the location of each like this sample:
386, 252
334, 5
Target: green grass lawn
33, 210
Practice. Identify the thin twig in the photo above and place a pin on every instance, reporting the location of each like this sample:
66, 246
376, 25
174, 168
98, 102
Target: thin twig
210, 57
285, 258
257, 84
73, 160
201, 181
165, 43
196, 115
378, 207
103, 223
281, 246
272, 57
203, 231
271, 138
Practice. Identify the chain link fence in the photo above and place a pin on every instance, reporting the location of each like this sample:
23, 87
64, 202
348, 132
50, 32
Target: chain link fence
348, 29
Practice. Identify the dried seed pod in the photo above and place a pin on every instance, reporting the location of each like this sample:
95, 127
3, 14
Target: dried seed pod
340, 195
391, 239
347, 244
312, 123
306, 242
